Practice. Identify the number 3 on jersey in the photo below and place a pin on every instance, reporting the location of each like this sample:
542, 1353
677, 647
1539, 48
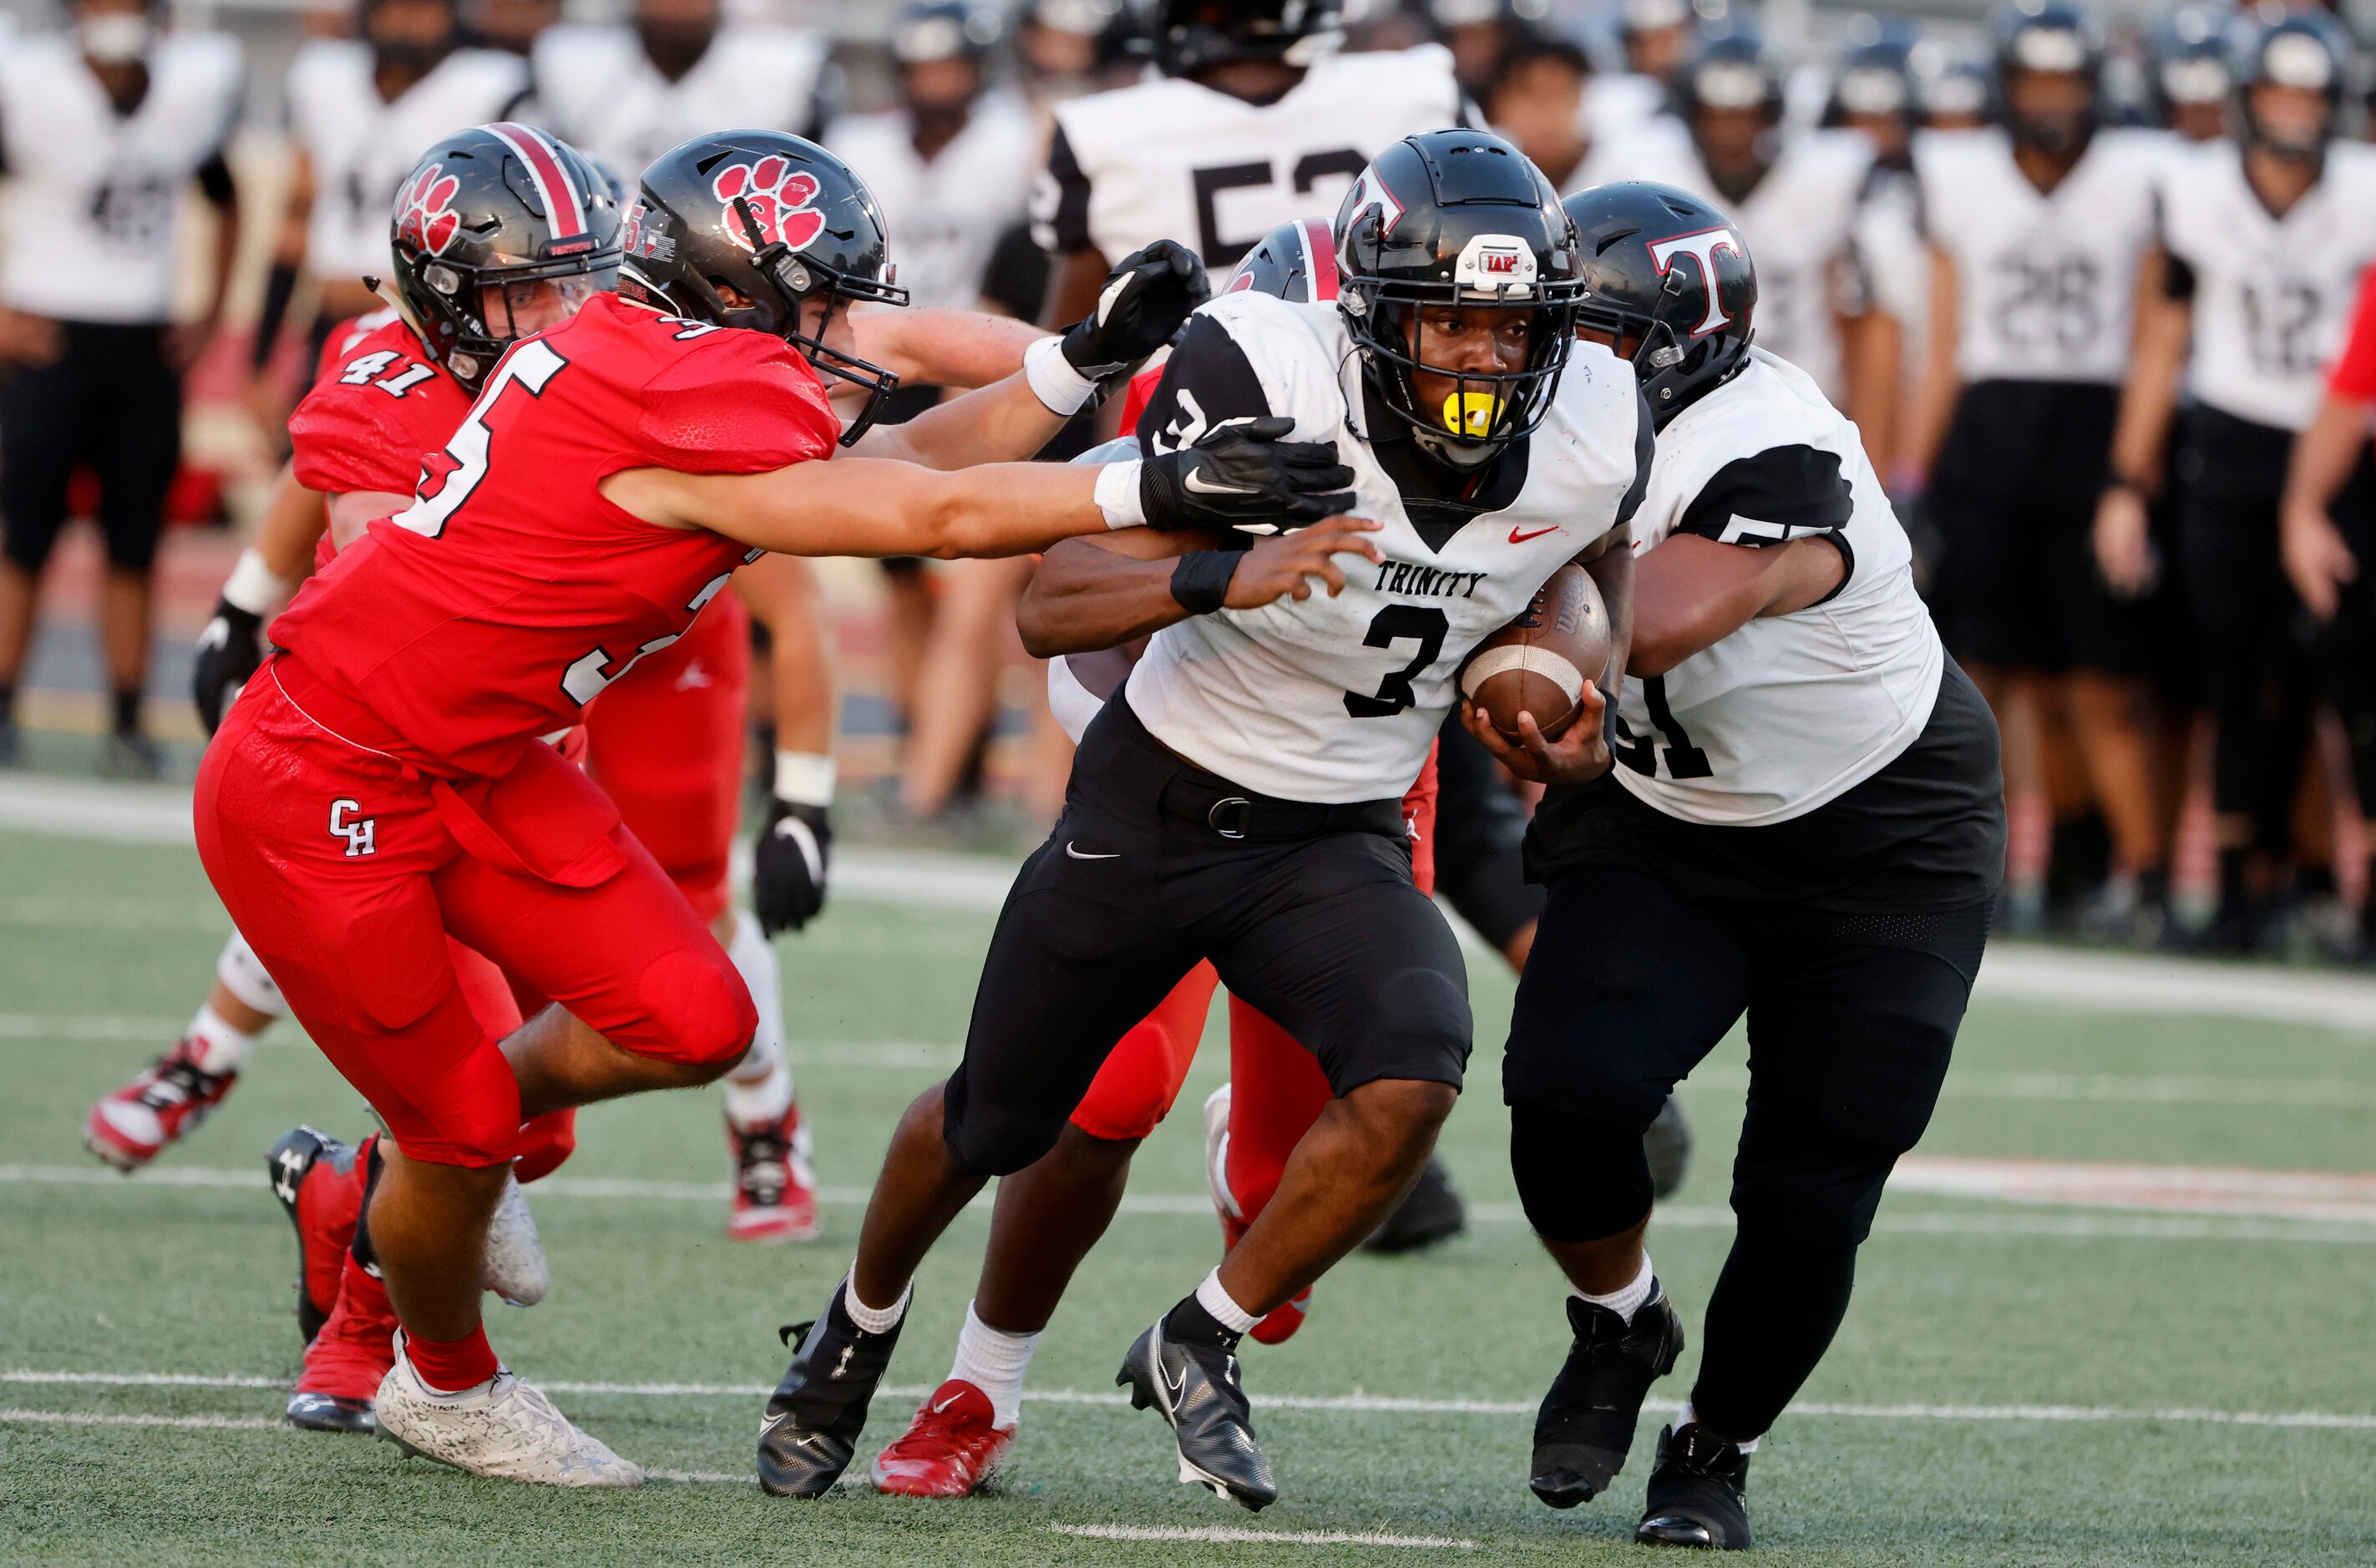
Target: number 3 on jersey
447, 479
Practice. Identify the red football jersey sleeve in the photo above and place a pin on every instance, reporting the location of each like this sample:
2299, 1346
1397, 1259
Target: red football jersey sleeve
376, 409
2354, 375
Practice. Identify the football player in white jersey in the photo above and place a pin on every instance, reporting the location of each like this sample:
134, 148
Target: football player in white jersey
103, 130
1256, 120
359, 111
1795, 195
1240, 799
1806, 826
1656, 37
627, 94
2262, 240
2036, 230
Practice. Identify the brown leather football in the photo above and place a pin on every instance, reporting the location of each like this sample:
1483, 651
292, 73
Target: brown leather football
1539, 663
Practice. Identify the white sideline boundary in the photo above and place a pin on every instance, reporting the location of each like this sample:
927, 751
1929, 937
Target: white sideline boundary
2015, 972
1355, 1403
1226, 1535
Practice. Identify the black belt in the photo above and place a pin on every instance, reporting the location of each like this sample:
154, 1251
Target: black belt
1118, 748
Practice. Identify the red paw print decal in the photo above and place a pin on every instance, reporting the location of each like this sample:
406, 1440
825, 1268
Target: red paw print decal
426, 210
779, 196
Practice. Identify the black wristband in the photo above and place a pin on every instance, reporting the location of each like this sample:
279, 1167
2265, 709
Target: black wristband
280, 287
1201, 581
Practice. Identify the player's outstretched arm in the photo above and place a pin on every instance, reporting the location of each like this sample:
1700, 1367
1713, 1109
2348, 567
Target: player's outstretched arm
2157, 353
1090, 594
230, 648
1244, 476
942, 345
1143, 302
1692, 593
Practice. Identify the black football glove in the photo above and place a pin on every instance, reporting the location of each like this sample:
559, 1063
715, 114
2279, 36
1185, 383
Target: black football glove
1142, 305
788, 875
1244, 476
229, 651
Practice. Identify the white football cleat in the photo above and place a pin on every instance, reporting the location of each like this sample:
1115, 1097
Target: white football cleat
1216, 1161
504, 1428
515, 1267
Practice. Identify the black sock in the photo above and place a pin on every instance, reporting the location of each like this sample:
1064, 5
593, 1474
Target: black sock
1189, 1323
1776, 1305
7, 702
361, 1247
127, 712
2232, 892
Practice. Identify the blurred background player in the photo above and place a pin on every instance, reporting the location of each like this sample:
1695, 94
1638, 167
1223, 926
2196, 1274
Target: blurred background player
2262, 238
359, 111
2190, 71
2036, 230
676, 69
1479, 32
1794, 195
1655, 37
104, 128
1536, 99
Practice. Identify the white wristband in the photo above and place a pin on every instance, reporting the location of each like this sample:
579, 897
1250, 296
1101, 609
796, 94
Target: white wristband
1117, 494
1053, 380
255, 587
805, 778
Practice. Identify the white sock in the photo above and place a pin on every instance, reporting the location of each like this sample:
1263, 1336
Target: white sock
221, 1049
759, 1090
1688, 1415
873, 1320
1627, 1301
1226, 1311
994, 1362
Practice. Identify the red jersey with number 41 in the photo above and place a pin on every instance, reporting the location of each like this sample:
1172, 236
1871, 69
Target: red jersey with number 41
377, 405
510, 593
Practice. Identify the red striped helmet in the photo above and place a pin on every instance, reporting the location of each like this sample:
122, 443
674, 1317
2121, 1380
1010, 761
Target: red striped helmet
499, 231
1296, 262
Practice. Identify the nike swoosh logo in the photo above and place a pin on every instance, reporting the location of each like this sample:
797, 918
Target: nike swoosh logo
1517, 538
945, 1404
1080, 854
772, 1422
1197, 485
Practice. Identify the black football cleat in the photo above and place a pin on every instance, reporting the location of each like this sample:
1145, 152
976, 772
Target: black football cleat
813, 1421
1194, 1388
1586, 1421
329, 1412
1430, 1212
1698, 1494
324, 1221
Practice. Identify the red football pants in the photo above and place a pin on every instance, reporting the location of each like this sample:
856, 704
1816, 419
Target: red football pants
1276, 1087
337, 865
546, 1140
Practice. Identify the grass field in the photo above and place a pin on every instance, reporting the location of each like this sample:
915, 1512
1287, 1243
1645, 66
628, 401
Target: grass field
2015, 1384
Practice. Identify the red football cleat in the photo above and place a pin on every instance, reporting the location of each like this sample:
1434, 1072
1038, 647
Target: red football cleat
320, 1182
346, 1360
132, 1126
775, 1191
948, 1450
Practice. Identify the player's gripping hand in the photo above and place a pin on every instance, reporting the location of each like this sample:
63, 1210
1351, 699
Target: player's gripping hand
1142, 305
1291, 565
1245, 476
1580, 755
229, 651
789, 869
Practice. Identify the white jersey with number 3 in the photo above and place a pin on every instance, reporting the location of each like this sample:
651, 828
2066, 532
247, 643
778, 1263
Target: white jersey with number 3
1337, 699
1172, 159
1790, 711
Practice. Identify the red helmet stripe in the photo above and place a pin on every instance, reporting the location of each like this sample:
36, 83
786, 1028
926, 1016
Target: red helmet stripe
1319, 246
564, 206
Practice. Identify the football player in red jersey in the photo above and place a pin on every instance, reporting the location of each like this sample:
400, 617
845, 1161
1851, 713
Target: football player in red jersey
382, 783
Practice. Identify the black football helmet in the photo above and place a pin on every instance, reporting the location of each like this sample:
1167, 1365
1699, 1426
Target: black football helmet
1296, 262
1952, 84
485, 214
2050, 37
1457, 218
1874, 79
740, 227
1667, 271
2189, 60
944, 30
1189, 35
1730, 70
2305, 49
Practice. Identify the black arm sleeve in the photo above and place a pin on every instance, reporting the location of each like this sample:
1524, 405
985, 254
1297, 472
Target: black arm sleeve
1207, 380
214, 181
1779, 494
2177, 278
1645, 449
1059, 207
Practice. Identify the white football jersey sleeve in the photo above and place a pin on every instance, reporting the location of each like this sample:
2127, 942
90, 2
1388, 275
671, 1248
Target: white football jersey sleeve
1170, 159
1790, 711
2046, 280
362, 146
945, 216
2272, 295
601, 92
1337, 699
90, 214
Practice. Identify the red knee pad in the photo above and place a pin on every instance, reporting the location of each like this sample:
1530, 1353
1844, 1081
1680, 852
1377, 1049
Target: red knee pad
544, 1143
1141, 1078
696, 1009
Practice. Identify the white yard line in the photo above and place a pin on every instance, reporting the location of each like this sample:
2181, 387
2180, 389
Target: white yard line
1224, 1534
1356, 1403
109, 1419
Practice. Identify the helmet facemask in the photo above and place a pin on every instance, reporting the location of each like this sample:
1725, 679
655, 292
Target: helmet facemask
474, 314
794, 280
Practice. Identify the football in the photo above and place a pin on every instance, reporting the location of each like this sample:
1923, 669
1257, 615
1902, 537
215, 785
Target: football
1539, 663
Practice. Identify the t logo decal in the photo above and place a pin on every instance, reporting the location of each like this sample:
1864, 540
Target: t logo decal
1702, 248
